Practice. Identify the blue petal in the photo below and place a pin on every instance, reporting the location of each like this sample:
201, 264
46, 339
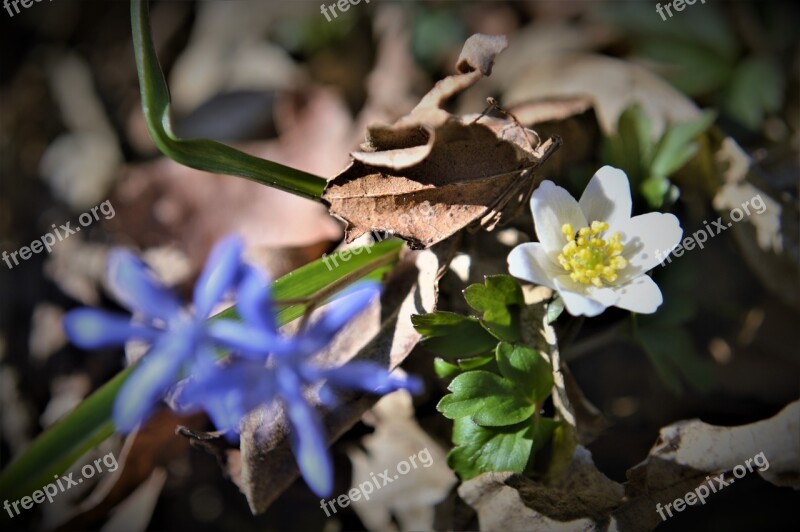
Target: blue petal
228, 393
219, 275
307, 436
92, 329
150, 380
134, 286
249, 341
370, 377
255, 301
338, 313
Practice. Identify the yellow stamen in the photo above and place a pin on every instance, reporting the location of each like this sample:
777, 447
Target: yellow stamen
590, 258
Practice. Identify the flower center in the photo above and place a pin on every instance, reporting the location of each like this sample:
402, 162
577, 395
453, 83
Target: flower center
590, 258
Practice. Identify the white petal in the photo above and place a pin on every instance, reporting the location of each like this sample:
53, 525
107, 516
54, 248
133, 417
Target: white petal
642, 295
530, 262
647, 239
580, 300
607, 197
552, 207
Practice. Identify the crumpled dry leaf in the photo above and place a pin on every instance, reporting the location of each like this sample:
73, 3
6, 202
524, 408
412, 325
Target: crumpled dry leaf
505, 501
685, 455
383, 333
411, 498
688, 451
432, 173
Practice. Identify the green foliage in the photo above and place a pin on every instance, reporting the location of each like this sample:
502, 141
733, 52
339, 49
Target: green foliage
649, 164
499, 298
452, 335
202, 154
490, 400
494, 400
55, 450
664, 338
702, 55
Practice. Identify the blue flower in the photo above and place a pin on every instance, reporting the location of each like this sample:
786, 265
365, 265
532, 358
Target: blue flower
177, 335
270, 367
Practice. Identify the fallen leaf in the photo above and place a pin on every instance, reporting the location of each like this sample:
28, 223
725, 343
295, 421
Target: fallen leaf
383, 333
432, 173
411, 498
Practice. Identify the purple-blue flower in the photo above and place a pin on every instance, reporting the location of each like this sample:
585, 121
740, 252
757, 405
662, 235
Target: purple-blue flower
270, 367
177, 335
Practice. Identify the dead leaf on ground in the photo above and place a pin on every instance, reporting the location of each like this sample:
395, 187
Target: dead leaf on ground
689, 451
580, 500
412, 497
432, 173
383, 333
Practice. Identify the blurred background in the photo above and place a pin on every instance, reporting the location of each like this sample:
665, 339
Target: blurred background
279, 80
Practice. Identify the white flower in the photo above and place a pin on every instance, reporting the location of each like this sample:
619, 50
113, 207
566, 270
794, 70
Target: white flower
591, 251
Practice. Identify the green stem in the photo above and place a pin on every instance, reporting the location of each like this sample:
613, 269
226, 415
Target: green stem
202, 154
56, 449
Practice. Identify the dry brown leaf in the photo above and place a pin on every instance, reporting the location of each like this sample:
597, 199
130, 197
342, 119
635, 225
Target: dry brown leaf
505, 501
689, 451
383, 333
412, 497
432, 173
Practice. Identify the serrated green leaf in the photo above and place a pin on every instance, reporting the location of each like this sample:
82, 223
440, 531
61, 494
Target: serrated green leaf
451, 335
675, 147
481, 449
675, 358
499, 299
543, 429
202, 154
446, 370
527, 369
489, 399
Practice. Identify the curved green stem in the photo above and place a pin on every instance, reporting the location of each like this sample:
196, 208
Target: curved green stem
202, 154
56, 449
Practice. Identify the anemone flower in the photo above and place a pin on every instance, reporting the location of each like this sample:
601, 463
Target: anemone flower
592, 252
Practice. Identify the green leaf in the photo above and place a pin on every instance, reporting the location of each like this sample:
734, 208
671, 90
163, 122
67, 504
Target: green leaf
488, 398
655, 190
55, 450
481, 449
756, 89
445, 369
675, 148
499, 299
692, 68
543, 430
527, 369
673, 354
202, 154
452, 335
